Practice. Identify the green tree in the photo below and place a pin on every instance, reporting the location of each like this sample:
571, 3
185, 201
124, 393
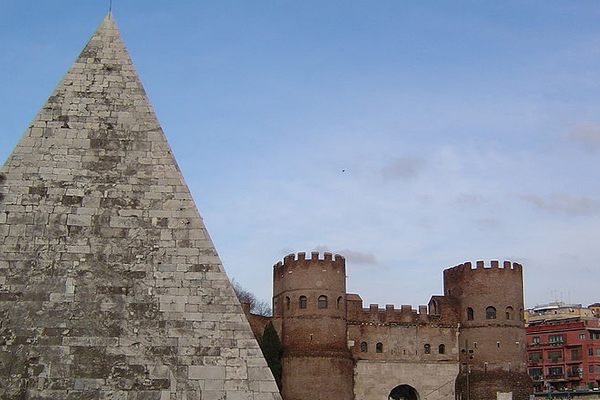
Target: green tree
272, 351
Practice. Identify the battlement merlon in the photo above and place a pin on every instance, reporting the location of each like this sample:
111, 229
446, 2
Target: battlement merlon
299, 260
480, 267
405, 309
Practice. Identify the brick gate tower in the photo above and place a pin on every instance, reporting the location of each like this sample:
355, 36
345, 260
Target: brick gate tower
489, 301
309, 304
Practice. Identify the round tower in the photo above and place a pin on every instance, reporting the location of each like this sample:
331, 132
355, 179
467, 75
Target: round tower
309, 310
489, 301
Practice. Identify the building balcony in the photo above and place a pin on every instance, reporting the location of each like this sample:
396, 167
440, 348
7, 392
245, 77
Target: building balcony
574, 361
548, 344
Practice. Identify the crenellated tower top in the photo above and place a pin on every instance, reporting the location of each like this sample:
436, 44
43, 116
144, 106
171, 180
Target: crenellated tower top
480, 267
299, 260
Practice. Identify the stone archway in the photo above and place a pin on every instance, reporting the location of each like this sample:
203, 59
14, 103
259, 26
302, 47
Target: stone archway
403, 392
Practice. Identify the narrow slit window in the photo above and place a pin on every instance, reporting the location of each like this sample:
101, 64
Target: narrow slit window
469, 314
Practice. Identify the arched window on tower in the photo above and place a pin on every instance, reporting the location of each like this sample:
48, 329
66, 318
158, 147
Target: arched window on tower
364, 347
427, 348
302, 302
490, 313
379, 348
339, 302
510, 313
322, 302
287, 303
442, 349
470, 314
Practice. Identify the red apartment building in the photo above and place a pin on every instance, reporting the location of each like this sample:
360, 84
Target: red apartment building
564, 353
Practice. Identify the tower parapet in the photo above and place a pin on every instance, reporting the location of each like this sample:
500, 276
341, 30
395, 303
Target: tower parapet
292, 262
480, 267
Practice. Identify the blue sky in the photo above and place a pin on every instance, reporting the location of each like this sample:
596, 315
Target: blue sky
408, 136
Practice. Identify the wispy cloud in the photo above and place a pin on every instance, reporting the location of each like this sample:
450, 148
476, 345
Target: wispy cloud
488, 223
403, 168
586, 134
466, 199
352, 256
565, 203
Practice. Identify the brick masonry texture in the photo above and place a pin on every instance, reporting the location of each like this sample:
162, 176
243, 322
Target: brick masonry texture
110, 286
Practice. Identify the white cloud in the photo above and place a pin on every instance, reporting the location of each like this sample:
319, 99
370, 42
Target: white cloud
586, 134
403, 168
352, 256
564, 203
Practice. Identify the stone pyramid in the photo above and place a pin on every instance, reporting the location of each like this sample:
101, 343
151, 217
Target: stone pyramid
110, 286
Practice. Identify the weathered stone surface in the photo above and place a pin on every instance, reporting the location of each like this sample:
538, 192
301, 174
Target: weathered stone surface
433, 380
110, 287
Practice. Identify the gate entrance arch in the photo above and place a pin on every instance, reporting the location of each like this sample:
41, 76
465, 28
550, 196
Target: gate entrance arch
403, 392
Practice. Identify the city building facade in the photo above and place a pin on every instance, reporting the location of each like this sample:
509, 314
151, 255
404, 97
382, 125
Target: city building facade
563, 348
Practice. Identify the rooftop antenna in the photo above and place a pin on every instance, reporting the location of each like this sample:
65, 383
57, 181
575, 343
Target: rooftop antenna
110, 6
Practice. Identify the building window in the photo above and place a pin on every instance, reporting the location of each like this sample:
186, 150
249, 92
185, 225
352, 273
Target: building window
591, 369
555, 340
554, 355
364, 347
302, 302
287, 303
575, 356
339, 302
536, 374
379, 348
582, 336
590, 352
427, 348
490, 313
322, 302
535, 357
469, 314
509, 313
535, 340
555, 371
594, 335
442, 349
